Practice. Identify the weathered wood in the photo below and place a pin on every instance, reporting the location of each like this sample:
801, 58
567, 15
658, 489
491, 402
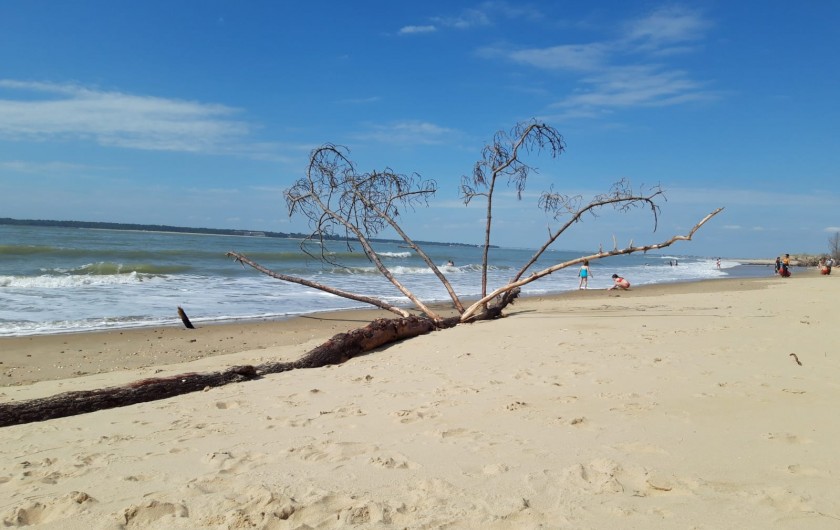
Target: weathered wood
84, 401
336, 350
244, 260
185, 319
344, 346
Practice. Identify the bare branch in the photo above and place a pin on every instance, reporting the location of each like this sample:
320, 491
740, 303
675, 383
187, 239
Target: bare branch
466, 315
425, 257
503, 158
301, 281
334, 196
621, 197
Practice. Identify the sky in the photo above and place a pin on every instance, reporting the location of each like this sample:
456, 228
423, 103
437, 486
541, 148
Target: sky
200, 113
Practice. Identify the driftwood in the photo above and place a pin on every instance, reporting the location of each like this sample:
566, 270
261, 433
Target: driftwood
84, 401
344, 346
336, 350
185, 319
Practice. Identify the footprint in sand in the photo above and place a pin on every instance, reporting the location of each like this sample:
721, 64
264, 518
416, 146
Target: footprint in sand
142, 516
224, 405
344, 412
48, 510
495, 469
414, 415
393, 462
300, 421
806, 471
332, 451
227, 462
39, 471
787, 438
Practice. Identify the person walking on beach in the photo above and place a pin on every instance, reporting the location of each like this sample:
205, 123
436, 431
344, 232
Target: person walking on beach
786, 266
778, 264
584, 274
619, 283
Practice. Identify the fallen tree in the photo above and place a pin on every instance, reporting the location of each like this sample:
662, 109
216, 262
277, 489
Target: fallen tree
340, 348
339, 201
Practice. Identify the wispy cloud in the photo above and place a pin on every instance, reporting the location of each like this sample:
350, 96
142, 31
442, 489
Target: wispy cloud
486, 14
635, 86
666, 30
46, 168
579, 57
361, 101
48, 111
413, 30
408, 133
628, 71
468, 18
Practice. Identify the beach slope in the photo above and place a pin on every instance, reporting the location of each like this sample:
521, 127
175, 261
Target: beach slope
702, 405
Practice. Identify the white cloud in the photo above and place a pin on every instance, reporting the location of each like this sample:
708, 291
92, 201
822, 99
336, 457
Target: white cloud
484, 15
832, 229
408, 132
624, 72
635, 86
584, 57
413, 30
48, 111
45, 168
665, 27
468, 18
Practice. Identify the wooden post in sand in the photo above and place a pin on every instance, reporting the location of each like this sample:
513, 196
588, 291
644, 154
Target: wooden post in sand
185, 319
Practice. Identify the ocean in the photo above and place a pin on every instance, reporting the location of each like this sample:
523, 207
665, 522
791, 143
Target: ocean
58, 280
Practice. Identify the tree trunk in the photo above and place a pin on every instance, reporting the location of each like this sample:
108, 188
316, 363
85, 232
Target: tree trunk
336, 350
81, 402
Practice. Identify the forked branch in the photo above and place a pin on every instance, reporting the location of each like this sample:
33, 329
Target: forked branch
467, 315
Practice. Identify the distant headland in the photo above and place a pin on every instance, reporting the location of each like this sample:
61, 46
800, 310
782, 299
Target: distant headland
192, 230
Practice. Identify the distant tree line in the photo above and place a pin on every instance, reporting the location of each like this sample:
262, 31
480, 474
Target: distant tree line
186, 230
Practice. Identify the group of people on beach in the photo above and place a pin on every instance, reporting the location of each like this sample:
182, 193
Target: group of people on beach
585, 273
783, 266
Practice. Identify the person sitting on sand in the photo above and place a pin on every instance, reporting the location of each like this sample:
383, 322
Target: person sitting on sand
584, 274
619, 283
825, 265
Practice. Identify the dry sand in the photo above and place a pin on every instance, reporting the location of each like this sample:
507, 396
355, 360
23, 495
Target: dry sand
668, 407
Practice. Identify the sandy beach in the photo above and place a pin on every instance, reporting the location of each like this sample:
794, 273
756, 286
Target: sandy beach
706, 405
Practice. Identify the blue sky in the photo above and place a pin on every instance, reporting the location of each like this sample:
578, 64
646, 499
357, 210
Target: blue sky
201, 112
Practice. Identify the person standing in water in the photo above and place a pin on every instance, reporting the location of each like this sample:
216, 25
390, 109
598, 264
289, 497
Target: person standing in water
584, 274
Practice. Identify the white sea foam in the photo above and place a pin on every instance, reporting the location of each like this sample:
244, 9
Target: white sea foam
70, 281
86, 288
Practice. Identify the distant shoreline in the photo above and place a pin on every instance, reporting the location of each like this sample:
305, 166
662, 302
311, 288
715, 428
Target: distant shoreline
169, 229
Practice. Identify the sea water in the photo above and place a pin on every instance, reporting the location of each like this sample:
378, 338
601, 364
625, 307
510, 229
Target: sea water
55, 280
